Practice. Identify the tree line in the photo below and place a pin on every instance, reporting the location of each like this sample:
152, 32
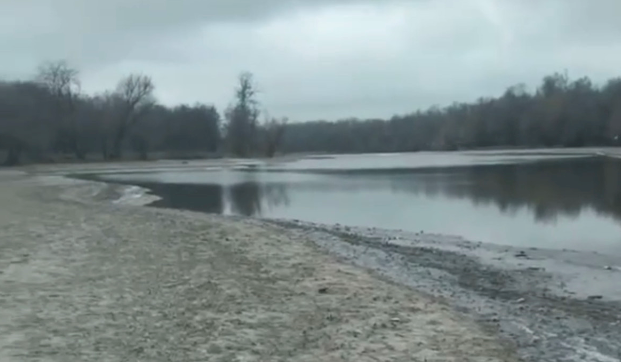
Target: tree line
48, 118
559, 113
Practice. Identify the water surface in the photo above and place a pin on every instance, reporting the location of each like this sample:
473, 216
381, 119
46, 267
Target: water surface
523, 199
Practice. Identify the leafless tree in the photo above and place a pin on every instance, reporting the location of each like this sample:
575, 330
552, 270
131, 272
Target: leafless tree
23, 120
273, 132
104, 119
242, 117
63, 83
135, 98
59, 78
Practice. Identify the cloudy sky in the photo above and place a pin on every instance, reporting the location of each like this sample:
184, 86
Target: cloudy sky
316, 59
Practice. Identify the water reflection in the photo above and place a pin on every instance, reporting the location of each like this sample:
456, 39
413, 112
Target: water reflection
547, 188
250, 198
574, 202
203, 198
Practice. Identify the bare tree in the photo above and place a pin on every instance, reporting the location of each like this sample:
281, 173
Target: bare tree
242, 117
59, 78
106, 113
135, 95
63, 83
273, 132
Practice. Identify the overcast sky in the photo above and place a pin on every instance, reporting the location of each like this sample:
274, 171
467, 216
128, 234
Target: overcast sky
316, 59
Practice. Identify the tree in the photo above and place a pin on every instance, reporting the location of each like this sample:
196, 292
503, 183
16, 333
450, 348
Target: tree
62, 82
24, 120
273, 132
242, 118
192, 129
41, 118
134, 96
105, 119
48, 116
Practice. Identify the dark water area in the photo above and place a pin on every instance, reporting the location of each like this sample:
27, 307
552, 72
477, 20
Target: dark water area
535, 201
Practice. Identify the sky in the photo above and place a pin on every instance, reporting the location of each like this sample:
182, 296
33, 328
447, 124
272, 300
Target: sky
316, 59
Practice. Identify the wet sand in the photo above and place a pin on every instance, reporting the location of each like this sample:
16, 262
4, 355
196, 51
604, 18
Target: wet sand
83, 278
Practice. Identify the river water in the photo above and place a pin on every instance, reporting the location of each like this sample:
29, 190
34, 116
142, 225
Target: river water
540, 199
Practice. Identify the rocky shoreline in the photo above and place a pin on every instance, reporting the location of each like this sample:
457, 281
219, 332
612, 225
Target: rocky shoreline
553, 305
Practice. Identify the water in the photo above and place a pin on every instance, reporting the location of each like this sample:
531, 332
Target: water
528, 199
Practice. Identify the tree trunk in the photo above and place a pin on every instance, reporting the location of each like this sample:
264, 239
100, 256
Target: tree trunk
117, 145
75, 145
104, 149
271, 150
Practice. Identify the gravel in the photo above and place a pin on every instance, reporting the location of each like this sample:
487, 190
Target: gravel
555, 305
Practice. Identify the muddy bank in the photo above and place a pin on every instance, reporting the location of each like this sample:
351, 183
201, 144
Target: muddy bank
86, 279
555, 305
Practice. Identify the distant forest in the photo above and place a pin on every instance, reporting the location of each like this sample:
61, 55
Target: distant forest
49, 119
560, 113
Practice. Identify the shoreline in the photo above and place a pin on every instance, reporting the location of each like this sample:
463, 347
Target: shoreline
539, 298
536, 298
87, 279
556, 305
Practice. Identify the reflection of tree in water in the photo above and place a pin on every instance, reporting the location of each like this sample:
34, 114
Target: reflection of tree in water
276, 195
247, 198
204, 198
549, 188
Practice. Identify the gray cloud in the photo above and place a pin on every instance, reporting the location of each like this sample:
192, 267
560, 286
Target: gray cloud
317, 58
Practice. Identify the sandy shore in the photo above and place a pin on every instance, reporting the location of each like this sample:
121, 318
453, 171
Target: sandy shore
85, 279
555, 305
